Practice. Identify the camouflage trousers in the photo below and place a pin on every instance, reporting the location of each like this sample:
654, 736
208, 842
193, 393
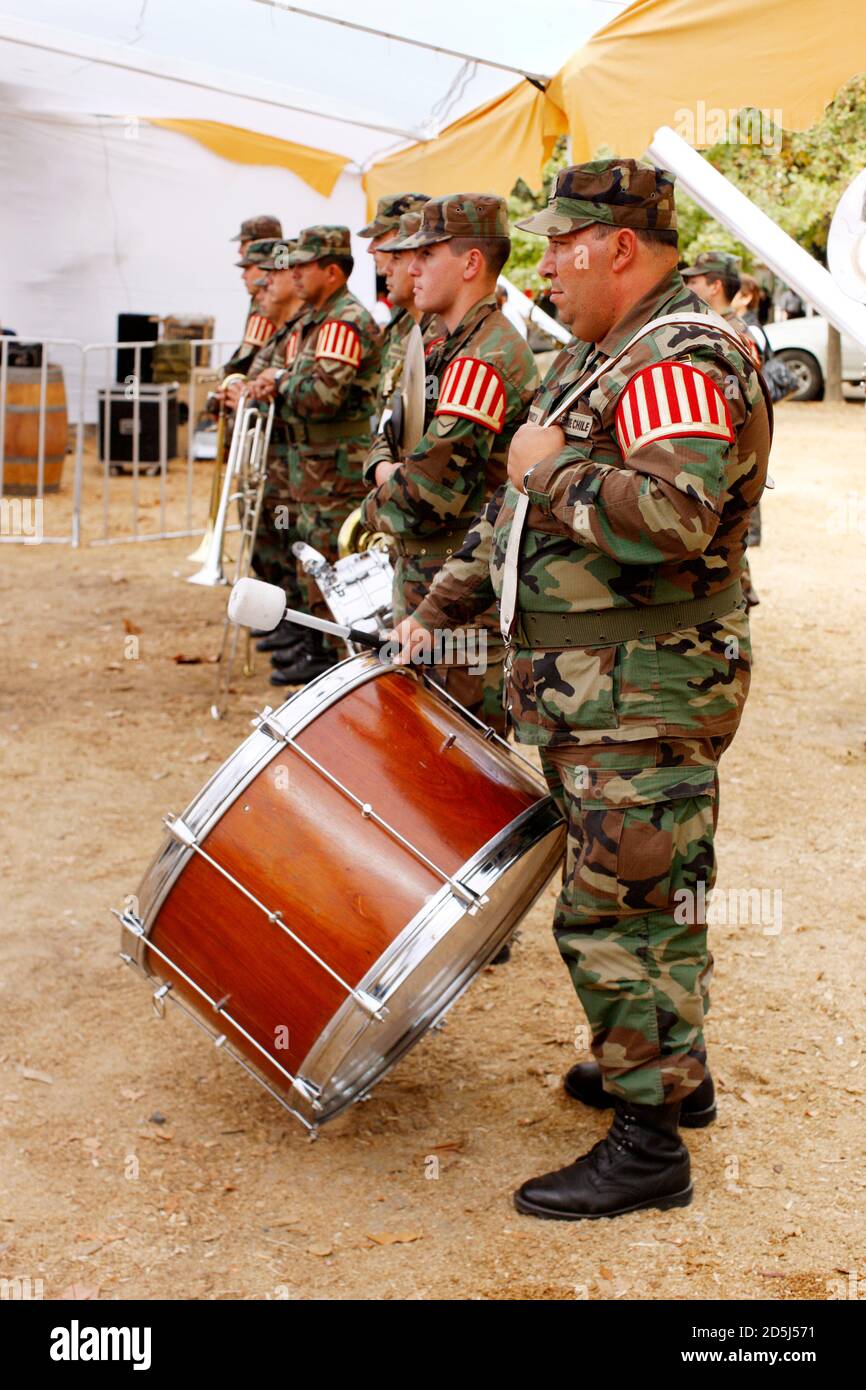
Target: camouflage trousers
481, 691
641, 822
319, 525
272, 558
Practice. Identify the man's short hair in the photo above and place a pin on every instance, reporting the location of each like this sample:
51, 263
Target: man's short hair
730, 284
345, 263
653, 237
494, 249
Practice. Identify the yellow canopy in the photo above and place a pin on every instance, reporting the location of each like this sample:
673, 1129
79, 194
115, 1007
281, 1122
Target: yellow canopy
690, 64
318, 168
488, 149
682, 64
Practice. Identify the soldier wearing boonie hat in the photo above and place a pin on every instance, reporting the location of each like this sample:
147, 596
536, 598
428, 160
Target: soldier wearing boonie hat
481, 378
615, 554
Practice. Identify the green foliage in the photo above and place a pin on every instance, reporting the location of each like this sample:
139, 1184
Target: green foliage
797, 180
796, 177
526, 248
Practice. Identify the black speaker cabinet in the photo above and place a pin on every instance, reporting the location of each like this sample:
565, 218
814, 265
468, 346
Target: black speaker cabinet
157, 426
136, 328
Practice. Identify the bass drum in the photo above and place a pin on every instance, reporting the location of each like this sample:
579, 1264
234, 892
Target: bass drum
341, 879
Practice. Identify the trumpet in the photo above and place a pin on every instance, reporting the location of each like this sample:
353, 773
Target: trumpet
202, 549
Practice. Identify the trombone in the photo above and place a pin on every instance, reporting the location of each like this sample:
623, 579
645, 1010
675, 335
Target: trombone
202, 549
244, 482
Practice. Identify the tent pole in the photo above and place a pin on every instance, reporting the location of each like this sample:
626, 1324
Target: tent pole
538, 79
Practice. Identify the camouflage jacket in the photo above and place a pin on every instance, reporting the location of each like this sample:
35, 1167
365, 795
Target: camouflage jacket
258, 332
481, 379
273, 354
327, 396
647, 503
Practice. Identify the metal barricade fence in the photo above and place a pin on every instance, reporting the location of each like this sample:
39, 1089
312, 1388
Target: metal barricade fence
27, 417
102, 411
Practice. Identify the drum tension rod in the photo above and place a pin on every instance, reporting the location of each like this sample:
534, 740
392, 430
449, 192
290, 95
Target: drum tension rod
471, 900
187, 837
131, 922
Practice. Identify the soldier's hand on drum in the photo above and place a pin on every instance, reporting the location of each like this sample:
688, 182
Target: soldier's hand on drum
531, 444
414, 642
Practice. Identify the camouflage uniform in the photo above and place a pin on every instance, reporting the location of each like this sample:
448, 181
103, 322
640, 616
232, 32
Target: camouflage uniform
724, 264
326, 398
480, 381
397, 331
272, 557
258, 329
647, 504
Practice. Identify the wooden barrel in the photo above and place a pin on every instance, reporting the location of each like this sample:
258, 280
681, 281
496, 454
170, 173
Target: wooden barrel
21, 441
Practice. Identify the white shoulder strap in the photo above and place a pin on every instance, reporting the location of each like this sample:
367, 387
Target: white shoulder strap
702, 320
510, 572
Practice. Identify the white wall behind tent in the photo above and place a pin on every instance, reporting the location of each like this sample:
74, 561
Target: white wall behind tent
138, 220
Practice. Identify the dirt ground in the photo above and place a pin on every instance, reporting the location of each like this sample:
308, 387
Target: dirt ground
138, 1162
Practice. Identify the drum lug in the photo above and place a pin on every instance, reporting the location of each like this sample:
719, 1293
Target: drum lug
180, 831
265, 724
158, 1001
372, 1006
309, 1090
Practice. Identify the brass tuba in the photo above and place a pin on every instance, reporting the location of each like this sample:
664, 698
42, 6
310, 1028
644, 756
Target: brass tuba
353, 537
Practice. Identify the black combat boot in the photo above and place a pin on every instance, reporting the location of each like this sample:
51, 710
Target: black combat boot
312, 660
583, 1082
285, 634
640, 1163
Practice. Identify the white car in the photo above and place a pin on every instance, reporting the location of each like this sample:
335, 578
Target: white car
802, 345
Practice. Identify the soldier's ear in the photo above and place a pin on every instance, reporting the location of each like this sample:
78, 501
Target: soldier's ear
624, 248
474, 263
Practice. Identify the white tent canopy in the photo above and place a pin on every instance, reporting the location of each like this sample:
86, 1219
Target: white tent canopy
108, 213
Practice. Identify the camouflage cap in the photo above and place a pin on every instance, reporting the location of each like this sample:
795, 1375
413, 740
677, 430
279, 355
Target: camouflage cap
278, 256
407, 226
390, 209
257, 251
619, 192
714, 263
481, 216
315, 242
256, 227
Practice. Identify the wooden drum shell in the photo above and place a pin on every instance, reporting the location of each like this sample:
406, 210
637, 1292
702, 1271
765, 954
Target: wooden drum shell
322, 866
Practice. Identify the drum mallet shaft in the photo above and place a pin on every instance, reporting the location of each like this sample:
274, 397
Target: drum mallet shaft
252, 603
